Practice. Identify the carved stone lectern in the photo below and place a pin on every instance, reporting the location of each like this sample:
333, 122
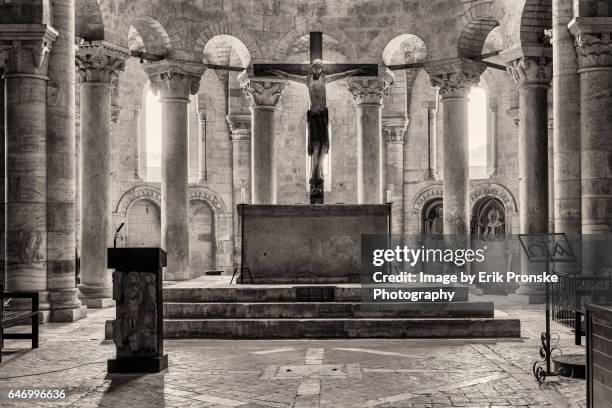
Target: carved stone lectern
138, 327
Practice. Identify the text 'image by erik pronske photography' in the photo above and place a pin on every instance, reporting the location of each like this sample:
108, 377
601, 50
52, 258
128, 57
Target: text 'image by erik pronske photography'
306, 203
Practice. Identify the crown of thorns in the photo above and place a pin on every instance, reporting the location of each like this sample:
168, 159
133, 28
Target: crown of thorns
317, 62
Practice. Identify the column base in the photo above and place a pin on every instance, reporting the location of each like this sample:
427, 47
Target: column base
95, 297
68, 315
98, 303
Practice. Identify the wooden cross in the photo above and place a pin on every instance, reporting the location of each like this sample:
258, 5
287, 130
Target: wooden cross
316, 52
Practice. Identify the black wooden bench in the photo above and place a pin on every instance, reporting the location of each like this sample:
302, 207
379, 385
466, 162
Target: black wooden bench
10, 318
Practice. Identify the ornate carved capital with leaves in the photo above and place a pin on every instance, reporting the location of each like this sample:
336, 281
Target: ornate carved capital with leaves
531, 71
455, 78
26, 48
370, 90
240, 126
100, 61
593, 41
175, 79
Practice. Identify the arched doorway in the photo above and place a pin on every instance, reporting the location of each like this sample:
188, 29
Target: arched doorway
201, 238
143, 225
432, 218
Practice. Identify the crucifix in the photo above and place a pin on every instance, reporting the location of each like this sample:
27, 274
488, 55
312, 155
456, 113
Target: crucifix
316, 76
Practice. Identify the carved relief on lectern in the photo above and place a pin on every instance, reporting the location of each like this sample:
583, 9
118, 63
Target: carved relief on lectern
135, 328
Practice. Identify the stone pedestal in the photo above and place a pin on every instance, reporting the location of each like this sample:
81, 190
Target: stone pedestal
175, 81
265, 97
308, 243
98, 64
455, 79
532, 75
394, 130
61, 170
368, 93
27, 50
138, 327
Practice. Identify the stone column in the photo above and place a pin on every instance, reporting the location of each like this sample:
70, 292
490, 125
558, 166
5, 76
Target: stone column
566, 126
98, 63
455, 78
265, 97
493, 138
532, 75
2, 175
61, 170
432, 138
394, 130
240, 127
27, 50
202, 173
594, 47
139, 148
175, 81
368, 93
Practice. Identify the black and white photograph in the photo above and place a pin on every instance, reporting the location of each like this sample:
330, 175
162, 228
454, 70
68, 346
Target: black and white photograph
306, 203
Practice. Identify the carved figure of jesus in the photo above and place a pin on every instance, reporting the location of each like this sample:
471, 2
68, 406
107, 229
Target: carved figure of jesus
318, 119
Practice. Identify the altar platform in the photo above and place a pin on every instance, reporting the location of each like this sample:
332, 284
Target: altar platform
210, 307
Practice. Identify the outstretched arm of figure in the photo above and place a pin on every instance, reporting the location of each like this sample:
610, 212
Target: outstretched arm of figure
341, 75
297, 78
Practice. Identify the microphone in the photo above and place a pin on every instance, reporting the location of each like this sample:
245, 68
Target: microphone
117, 235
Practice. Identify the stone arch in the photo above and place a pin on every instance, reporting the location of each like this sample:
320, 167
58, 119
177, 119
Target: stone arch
141, 192
135, 194
430, 212
222, 225
207, 195
535, 18
230, 29
89, 24
346, 44
404, 49
202, 236
424, 196
218, 50
478, 21
154, 37
494, 190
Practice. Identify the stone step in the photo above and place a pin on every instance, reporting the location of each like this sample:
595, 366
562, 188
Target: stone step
340, 328
307, 310
283, 293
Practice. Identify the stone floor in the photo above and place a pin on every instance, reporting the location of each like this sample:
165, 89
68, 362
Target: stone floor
298, 373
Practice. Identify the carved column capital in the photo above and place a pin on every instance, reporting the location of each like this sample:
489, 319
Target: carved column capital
26, 48
175, 79
593, 41
262, 93
532, 71
455, 78
370, 90
240, 126
394, 129
100, 61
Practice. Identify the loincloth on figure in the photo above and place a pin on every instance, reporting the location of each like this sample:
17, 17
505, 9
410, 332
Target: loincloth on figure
318, 134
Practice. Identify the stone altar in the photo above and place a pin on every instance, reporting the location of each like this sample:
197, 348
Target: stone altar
307, 243
138, 327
